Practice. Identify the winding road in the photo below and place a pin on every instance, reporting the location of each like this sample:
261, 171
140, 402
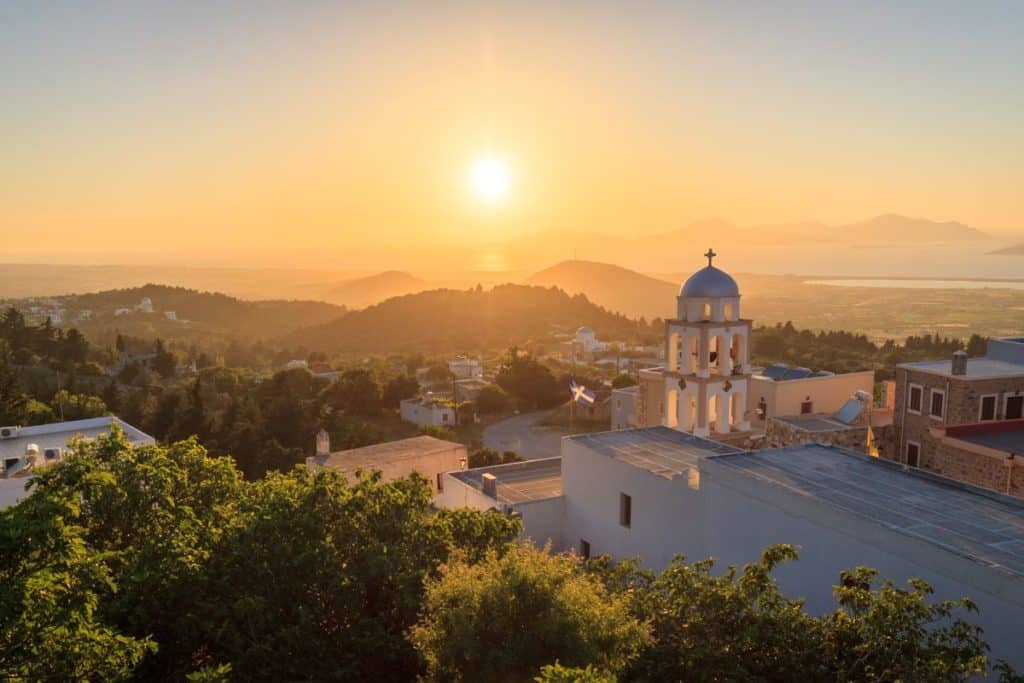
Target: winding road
523, 435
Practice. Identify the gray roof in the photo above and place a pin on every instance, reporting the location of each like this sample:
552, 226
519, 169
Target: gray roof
57, 434
982, 526
519, 482
977, 368
814, 423
710, 283
661, 450
1009, 441
370, 457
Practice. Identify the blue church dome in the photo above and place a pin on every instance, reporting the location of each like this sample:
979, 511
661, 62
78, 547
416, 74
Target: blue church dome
709, 283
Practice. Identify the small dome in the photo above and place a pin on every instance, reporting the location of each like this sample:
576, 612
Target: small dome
584, 330
709, 283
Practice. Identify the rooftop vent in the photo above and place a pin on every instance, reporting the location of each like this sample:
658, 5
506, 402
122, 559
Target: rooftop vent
959, 363
490, 484
323, 443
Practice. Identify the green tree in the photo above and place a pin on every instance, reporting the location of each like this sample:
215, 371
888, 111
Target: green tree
14, 402
52, 583
77, 406
889, 633
492, 399
504, 618
398, 389
355, 392
624, 380
482, 456
529, 381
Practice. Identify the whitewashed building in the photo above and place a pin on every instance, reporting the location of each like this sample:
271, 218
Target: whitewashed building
425, 455
427, 411
24, 450
656, 492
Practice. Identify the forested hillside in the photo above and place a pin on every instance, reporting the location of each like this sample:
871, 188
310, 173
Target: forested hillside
182, 314
444, 319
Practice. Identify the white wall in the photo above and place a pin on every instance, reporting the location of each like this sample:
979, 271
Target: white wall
542, 519
413, 410
732, 517
624, 408
828, 394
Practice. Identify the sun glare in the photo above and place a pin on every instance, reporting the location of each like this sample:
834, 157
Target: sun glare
490, 178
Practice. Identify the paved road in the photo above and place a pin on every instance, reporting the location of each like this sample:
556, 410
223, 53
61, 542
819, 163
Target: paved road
523, 435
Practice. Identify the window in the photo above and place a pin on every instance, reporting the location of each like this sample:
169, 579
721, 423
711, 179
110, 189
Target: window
806, 407
440, 482
584, 549
914, 398
987, 411
762, 408
625, 510
444, 417
935, 408
913, 453
1014, 407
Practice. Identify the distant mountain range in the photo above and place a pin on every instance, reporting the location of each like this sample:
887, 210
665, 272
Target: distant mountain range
618, 289
446, 320
366, 291
1012, 250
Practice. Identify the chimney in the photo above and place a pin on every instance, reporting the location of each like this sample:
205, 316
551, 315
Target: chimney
959, 362
323, 443
490, 484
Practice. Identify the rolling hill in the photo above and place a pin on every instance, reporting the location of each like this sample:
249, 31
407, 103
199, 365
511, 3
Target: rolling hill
446, 320
366, 291
196, 313
617, 289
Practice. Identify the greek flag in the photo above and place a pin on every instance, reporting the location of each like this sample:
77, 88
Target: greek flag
581, 394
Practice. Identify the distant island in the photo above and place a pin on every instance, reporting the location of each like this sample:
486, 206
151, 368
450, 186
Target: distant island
1012, 250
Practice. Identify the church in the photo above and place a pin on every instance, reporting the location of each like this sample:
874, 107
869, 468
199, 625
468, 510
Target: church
707, 385
704, 385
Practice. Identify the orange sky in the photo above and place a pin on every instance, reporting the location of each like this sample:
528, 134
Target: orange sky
255, 134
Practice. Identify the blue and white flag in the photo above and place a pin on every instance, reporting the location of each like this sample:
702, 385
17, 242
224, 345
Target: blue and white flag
581, 394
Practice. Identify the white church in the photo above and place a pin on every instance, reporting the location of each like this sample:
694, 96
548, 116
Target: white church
707, 374
707, 385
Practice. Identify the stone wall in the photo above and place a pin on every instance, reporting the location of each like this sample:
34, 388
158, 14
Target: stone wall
973, 464
779, 433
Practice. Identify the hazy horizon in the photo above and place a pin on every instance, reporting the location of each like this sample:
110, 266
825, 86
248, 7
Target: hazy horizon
360, 136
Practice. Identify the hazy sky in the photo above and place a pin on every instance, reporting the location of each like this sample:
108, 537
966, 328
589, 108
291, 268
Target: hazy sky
257, 132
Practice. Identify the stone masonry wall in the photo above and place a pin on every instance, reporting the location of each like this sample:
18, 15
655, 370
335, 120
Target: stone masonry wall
945, 456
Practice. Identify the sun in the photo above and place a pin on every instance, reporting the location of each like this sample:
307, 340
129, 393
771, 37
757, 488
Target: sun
490, 178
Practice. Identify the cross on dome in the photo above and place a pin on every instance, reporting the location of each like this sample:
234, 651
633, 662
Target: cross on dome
710, 255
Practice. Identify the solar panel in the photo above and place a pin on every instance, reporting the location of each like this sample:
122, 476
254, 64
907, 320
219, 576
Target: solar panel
775, 370
797, 373
850, 412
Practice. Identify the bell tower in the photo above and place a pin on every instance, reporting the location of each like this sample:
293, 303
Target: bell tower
707, 352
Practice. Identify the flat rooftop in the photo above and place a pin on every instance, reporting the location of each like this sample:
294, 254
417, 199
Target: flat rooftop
977, 368
370, 457
982, 526
57, 434
816, 423
1004, 435
661, 450
519, 482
